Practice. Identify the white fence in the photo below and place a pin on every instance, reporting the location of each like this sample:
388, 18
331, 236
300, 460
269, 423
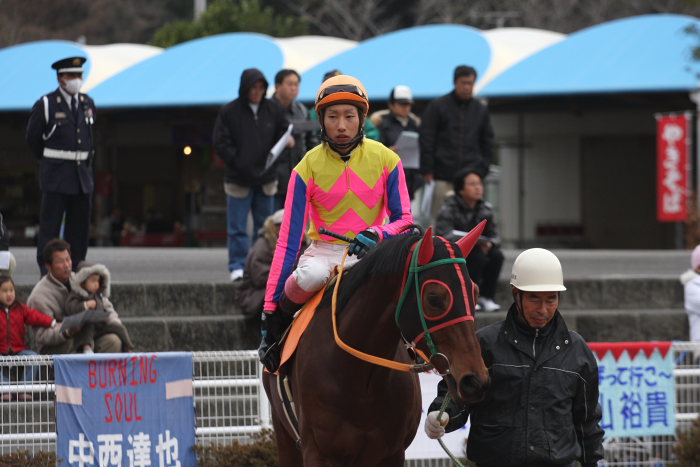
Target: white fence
231, 405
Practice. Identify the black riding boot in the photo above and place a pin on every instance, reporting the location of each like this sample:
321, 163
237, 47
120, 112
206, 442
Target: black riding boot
269, 352
272, 327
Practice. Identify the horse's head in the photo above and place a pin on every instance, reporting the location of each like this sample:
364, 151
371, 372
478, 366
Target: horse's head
436, 312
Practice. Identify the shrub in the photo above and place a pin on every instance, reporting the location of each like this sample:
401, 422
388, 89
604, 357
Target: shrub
25, 459
687, 448
260, 452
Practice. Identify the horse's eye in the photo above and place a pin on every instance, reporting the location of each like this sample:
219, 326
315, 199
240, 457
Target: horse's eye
435, 300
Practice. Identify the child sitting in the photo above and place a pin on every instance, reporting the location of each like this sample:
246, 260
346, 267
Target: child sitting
12, 342
90, 289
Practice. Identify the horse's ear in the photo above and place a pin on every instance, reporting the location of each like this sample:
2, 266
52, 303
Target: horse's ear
426, 248
467, 242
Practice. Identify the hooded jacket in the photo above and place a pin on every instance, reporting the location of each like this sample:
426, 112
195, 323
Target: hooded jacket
76, 303
244, 139
12, 326
78, 295
542, 406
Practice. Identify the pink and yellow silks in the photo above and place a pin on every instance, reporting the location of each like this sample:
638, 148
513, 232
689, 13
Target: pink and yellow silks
369, 190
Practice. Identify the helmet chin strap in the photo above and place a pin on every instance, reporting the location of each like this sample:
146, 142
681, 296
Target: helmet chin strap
343, 148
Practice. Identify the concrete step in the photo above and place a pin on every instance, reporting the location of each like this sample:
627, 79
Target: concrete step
206, 299
193, 333
232, 332
616, 325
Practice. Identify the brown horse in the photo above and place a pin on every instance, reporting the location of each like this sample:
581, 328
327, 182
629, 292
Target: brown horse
408, 289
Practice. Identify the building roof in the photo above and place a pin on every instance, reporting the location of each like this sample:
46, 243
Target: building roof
650, 53
637, 54
27, 72
203, 71
422, 58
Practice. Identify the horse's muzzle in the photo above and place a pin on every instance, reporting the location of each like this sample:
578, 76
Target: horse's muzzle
471, 388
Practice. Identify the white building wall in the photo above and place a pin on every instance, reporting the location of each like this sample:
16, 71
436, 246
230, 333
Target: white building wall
552, 166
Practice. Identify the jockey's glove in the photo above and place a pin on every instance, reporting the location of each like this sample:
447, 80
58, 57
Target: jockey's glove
363, 242
433, 428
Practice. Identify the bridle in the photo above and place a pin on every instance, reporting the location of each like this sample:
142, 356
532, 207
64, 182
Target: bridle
413, 268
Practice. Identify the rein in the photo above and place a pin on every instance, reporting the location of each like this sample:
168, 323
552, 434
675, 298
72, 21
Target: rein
391, 364
413, 271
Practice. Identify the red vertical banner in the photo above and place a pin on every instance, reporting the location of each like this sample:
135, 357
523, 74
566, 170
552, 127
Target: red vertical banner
673, 148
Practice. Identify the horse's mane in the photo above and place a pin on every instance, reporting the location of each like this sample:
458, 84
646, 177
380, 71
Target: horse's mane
388, 258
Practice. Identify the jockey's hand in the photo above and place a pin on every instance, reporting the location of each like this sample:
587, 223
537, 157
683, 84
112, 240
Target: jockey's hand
363, 242
433, 428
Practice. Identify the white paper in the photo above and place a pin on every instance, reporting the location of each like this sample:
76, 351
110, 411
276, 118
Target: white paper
279, 146
427, 201
4, 260
407, 149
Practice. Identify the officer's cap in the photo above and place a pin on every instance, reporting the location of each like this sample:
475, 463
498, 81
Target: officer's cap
69, 65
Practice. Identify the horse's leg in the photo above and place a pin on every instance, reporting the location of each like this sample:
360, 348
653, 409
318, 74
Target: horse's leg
288, 454
397, 460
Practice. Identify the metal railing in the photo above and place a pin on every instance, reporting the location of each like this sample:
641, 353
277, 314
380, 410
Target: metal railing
231, 405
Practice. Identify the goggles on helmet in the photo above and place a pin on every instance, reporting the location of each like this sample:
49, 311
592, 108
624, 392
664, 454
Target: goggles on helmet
348, 88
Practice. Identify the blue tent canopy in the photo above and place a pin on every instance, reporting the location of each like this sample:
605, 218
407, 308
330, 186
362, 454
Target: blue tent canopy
422, 58
639, 54
27, 72
204, 71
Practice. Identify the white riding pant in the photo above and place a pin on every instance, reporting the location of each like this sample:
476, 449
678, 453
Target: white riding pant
314, 269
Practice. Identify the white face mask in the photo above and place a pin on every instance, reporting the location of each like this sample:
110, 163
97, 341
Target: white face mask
72, 86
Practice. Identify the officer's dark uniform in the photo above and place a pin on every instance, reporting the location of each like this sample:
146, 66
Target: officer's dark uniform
62, 141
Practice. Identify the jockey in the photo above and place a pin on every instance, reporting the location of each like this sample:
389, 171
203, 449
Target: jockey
348, 184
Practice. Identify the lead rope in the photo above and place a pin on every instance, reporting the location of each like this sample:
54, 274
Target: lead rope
446, 401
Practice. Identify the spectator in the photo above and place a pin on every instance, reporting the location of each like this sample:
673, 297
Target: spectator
691, 287
12, 329
541, 408
59, 134
370, 131
49, 296
90, 290
246, 129
461, 212
251, 292
286, 91
7, 259
394, 121
455, 133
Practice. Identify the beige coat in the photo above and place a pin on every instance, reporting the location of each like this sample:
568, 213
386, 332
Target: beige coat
48, 296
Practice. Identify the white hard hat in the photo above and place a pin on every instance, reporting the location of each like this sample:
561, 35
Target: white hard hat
537, 270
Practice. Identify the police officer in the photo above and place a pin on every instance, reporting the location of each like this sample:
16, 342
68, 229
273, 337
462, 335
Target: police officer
60, 135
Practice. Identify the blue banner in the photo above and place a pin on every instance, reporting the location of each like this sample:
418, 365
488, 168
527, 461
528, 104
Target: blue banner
125, 410
637, 388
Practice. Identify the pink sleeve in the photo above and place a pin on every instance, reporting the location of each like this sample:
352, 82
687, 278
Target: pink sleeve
289, 244
398, 204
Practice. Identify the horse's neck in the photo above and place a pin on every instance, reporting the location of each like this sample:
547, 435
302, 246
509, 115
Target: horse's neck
368, 319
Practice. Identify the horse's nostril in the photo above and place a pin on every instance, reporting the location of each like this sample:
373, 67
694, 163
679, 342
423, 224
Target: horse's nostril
470, 386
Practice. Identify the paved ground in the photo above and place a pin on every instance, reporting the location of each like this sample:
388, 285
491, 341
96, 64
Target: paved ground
204, 265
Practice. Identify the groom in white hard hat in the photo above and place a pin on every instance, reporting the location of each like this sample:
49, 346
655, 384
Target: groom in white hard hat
542, 407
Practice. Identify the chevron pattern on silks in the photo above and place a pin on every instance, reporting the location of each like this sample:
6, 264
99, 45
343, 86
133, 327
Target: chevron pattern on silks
367, 191
348, 198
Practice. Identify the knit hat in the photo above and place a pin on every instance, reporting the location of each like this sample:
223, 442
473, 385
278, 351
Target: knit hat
695, 257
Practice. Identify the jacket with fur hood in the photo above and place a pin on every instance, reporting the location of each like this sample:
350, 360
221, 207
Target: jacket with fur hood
75, 303
243, 139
